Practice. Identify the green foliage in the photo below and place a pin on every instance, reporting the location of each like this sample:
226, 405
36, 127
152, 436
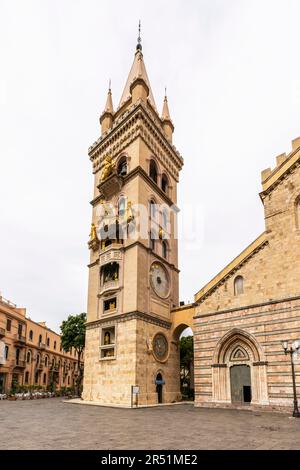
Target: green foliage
73, 333
186, 351
73, 336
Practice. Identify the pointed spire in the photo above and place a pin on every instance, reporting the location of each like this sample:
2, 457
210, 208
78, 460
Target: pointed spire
137, 71
165, 115
166, 119
106, 118
109, 104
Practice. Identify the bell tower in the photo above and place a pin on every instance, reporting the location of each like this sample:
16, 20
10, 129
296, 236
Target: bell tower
133, 270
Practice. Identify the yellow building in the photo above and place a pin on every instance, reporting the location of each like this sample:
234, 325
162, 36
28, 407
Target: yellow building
31, 353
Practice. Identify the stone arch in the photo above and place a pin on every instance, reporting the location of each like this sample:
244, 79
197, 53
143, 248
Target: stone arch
237, 337
238, 347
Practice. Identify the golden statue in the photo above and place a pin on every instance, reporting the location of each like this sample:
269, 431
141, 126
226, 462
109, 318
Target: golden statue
93, 234
107, 338
129, 212
107, 168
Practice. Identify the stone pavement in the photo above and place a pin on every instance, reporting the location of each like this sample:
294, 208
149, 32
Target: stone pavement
52, 424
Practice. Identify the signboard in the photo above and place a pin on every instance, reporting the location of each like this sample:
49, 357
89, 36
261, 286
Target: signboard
135, 390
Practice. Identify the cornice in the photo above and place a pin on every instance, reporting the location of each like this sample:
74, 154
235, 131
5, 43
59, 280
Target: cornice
232, 268
139, 171
247, 307
136, 123
136, 315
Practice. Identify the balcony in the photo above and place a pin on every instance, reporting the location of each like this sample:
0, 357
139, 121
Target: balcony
42, 346
110, 286
19, 363
2, 332
20, 340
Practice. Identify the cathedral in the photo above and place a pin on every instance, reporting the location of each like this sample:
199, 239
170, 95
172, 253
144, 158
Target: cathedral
134, 320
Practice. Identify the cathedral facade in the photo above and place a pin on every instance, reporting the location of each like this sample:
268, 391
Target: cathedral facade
134, 321
243, 316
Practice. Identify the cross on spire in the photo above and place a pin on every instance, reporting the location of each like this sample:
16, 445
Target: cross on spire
139, 40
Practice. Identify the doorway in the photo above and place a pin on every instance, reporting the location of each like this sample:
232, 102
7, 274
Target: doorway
2, 383
240, 382
159, 387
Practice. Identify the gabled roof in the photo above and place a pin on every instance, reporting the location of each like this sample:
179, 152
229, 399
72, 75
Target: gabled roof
232, 267
138, 70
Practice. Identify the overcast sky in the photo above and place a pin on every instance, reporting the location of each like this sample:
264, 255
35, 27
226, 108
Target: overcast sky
232, 71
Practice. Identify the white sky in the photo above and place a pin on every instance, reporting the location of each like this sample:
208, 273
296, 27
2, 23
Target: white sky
232, 70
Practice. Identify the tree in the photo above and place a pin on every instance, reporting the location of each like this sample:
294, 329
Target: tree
186, 359
73, 336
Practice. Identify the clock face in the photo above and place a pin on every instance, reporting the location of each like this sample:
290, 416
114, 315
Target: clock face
160, 347
159, 280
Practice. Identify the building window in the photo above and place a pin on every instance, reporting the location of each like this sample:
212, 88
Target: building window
110, 305
40, 340
110, 272
6, 352
165, 219
48, 342
153, 210
8, 324
122, 167
46, 361
164, 249
28, 357
153, 171
152, 241
238, 285
36, 377
122, 207
26, 377
107, 343
164, 183
30, 335
68, 380
44, 378
54, 345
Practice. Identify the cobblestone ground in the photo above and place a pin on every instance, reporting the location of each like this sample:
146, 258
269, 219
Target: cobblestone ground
52, 424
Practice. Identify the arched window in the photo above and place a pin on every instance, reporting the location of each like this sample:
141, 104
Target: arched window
164, 183
28, 357
152, 209
165, 218
122, 207
48, 342
30, 335
46, 361
37, 359
26, 377
40, 340
152, 240
238, 285
153, 171
122, 167
164, 249
44, 378
6, 352
54, 345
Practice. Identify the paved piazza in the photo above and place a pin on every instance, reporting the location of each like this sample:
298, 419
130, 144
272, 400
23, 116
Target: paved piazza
52, 424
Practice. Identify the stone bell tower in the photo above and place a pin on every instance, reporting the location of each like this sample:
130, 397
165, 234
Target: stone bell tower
133, 270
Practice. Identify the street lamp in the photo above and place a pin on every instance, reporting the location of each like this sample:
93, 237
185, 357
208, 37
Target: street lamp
291, 349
